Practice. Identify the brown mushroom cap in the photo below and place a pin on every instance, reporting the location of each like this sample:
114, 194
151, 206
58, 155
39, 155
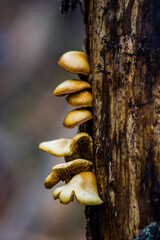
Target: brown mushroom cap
65, 171
77, 117
83, 186
71, 86
75, 62
80, 99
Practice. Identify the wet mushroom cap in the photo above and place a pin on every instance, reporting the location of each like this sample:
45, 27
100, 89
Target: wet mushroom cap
75, 62
77, 117
80, 99
65, 171
71, 86
83, 186
58, 148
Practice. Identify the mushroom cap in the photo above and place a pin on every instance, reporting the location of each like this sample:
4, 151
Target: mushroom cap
70, 86
83, 186
77, 117
58, 148
65, 171
80, 99
75, 62
83, 144
80, 146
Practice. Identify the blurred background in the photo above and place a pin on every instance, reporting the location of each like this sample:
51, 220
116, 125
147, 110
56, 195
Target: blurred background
33, 35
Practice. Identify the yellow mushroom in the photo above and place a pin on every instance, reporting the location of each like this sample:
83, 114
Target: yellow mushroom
65, 171
80, 99
75, 62
83, 186
83, 145
80, 146
71, 86
77, 117
58, 148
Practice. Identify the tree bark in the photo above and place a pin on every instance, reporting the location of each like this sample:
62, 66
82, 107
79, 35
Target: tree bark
124, 48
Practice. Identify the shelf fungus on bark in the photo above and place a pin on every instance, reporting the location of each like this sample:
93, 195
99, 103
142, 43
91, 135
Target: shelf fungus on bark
77, 117
58, 148
80, 99
65, 171
71, 86
75, 62
83, 186
80, 146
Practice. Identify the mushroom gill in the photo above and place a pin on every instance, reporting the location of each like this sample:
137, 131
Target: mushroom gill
65, 171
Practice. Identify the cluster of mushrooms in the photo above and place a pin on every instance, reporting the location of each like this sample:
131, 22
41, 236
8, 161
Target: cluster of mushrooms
78, 171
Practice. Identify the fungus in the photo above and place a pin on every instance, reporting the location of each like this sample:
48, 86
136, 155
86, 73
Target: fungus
75, 62
58, 148
82, 143
80, 99
77, 117
65, 171
83, 186
71, 86
80, 146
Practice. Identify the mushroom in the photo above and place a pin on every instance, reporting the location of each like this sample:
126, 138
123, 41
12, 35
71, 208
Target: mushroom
58, 148
80, 146
65, 171
75, 62
77, 117
83, 145
71, 86
83, 186
80, 99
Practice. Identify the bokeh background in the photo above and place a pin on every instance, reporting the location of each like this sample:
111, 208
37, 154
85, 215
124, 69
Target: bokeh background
33, 35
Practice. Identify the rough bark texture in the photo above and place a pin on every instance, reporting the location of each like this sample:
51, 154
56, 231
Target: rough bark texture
124, 45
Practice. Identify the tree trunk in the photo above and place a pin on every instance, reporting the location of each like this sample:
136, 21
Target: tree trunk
124, 48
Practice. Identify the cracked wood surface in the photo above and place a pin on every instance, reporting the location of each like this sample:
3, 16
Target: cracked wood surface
124, 45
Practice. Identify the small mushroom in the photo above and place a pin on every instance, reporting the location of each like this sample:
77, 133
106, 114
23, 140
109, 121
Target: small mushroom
83, 186
82, 143
58, 148
75, 62
80, 146
71, 86
77, 117
65, 171
80, 99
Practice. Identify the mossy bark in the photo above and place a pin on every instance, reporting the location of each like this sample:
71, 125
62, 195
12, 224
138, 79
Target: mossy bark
124, 48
